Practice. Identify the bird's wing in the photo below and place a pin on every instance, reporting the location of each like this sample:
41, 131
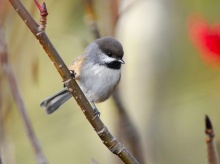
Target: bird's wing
76, 66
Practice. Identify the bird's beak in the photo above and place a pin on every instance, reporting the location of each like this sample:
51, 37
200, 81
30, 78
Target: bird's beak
122, 61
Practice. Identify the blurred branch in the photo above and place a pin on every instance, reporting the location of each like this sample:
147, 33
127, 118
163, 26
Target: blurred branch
1, 117
128, 131
2, 134
114, 7
211, 148
116, 15
126, 128
2, 127
7, 69
90, 17
113, 145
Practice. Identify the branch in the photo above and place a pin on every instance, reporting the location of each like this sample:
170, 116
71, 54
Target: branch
212, 152
110, 142
7, 69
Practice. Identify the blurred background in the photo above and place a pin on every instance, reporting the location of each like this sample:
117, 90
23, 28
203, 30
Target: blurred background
167, 85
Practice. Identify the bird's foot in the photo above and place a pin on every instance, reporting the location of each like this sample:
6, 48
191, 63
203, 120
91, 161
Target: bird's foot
96, 113
72, 73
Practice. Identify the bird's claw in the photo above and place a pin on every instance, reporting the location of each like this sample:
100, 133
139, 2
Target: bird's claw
72, 73
96, 113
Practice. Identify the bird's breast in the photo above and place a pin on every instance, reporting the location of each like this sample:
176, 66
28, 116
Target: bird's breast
99, 82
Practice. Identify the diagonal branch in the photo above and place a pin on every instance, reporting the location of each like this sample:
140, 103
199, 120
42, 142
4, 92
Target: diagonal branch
110, 142
7, 69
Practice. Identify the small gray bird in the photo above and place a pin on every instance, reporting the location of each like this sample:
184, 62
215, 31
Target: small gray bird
97, 71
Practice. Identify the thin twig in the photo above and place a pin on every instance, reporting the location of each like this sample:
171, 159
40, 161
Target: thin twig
211, 148
43, 12
6, 67
113, 145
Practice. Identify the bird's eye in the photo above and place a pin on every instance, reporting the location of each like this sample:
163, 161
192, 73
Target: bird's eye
109, 54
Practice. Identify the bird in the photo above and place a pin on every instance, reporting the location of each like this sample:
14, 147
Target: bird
97, 71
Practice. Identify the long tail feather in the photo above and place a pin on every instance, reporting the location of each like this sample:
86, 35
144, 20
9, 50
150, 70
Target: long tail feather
54, 102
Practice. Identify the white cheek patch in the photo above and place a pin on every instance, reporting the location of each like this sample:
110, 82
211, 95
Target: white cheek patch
106, 58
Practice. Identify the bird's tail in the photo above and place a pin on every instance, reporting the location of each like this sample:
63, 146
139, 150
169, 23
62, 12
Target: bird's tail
54, 102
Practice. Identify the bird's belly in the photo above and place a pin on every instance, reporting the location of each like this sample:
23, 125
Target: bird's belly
99, 83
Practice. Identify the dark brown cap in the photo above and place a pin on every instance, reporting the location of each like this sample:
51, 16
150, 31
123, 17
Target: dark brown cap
111, 47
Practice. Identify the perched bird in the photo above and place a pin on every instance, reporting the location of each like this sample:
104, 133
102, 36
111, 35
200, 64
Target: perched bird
97, 71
